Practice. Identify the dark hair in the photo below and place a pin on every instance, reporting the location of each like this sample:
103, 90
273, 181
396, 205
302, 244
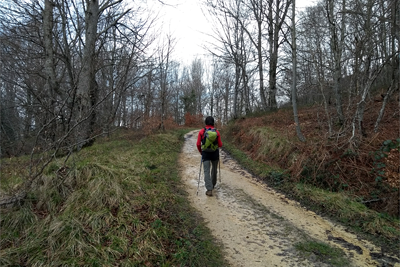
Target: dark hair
209, 121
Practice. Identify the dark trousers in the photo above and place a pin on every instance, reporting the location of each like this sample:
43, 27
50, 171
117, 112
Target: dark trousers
210, 173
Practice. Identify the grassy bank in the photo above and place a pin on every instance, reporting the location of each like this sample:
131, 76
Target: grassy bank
339, 206
117, 203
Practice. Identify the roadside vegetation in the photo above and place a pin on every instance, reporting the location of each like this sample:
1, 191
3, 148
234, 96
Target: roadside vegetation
117, 203
323, 253
356, 186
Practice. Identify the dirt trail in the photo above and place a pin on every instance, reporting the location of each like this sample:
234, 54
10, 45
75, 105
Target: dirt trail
258, 226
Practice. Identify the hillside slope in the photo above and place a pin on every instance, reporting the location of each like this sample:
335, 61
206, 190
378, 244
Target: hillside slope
369, 172
356, 185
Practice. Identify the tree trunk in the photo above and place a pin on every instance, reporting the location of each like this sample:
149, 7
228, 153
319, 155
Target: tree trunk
49, 70
321, 79
294, 71
384, 102
87, 86
236, 91
226, 98
261, 70
336, 48
275, 26
164, 79
395, 67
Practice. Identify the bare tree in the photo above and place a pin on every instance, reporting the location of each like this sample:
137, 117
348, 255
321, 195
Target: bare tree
87, 90
235, 18
60, 76
314, 63
196, 83
394, 11
372, 70
337, 31
294, 73
276, 17
164, 67
362, 40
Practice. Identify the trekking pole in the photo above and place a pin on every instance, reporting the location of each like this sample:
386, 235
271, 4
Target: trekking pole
198, 184
219, 163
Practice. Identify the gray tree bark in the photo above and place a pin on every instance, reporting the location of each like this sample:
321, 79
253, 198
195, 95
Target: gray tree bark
87, 86
276, 18
336, 44
294, 72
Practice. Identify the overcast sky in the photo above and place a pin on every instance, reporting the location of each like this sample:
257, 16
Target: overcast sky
185, 20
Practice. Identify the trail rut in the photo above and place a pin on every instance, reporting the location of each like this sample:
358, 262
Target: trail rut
258, 226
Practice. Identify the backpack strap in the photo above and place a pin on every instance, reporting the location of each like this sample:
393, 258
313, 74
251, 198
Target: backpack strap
203, 135
205, 130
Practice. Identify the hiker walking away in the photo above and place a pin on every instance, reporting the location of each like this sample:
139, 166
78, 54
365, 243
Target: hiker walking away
208, 144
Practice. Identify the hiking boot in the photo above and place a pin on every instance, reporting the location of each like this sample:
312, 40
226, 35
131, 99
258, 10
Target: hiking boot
209, 193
